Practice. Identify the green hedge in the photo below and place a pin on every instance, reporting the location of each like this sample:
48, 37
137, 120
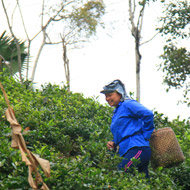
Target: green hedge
71, 132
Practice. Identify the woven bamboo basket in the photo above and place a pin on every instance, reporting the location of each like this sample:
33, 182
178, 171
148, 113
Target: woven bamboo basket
166, 151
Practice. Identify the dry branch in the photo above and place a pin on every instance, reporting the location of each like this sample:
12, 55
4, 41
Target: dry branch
31, 160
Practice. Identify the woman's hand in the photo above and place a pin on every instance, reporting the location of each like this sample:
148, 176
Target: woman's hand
110, 145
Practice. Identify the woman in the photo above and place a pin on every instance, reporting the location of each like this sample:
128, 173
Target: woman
132, 126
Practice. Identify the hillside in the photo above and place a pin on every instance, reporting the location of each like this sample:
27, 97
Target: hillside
71, 132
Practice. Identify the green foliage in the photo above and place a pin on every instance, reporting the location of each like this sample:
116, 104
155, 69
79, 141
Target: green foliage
144, 2
9, 54
177, 62
176, 19
88, 16
71, 132
176, 57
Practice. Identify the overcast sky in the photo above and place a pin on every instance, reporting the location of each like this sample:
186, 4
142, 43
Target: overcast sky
111, 56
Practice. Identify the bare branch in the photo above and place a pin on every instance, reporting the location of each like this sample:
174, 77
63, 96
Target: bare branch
28, 39
2, 58
41, 46
37, 57
13, 14
43, 27
16, 41
131, 18
22, 20
150, 39
66, 62
53, 43
140, 18
42, 18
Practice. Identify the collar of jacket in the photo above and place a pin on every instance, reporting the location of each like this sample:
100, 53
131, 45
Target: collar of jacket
115, 110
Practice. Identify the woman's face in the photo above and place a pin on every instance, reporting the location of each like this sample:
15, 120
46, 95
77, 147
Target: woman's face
113, 98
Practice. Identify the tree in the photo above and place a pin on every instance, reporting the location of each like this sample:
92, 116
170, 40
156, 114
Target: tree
16, 42
78, 23
9, 54
136, 16
67, 22
175, 24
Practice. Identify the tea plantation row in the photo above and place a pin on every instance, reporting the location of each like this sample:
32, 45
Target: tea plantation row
71, 132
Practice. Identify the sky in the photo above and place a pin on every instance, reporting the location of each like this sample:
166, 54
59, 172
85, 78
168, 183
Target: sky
110, 55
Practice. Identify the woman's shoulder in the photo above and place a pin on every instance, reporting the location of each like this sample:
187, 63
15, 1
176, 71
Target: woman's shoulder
130, 101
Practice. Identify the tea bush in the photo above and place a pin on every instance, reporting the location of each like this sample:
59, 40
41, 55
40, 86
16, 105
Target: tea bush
71, 132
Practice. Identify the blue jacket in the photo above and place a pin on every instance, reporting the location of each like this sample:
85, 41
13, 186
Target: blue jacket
131, 119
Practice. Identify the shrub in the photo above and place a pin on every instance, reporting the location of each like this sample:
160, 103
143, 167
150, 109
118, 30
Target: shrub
71, 132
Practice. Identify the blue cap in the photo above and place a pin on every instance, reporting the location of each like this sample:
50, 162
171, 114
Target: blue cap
115, 85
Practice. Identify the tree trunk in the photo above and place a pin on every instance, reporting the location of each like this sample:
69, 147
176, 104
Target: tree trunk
66, 64
1, 64
36, 61
138, 64
136, 33
16, 42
